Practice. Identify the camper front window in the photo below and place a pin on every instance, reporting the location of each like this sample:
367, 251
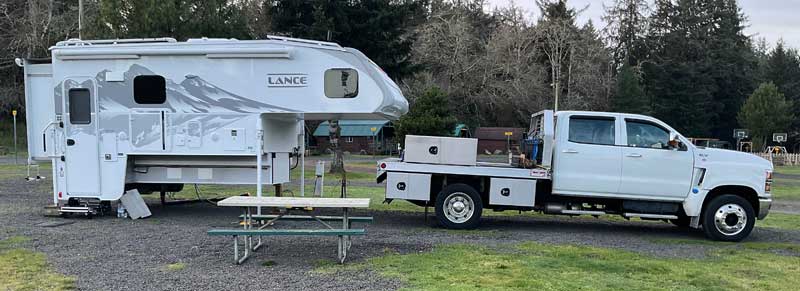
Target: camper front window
341, 83
149, 89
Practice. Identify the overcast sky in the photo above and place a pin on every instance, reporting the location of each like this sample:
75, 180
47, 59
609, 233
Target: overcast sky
770, 19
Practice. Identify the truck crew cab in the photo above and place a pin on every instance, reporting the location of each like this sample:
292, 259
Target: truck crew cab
587, 163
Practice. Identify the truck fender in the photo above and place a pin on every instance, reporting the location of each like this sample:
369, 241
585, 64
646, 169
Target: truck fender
694, 203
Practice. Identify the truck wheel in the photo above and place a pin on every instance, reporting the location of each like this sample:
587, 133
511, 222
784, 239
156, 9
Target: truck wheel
459, 206
728, 218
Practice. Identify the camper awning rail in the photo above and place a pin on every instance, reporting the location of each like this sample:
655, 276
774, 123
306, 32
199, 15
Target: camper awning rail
77, 42
135, 53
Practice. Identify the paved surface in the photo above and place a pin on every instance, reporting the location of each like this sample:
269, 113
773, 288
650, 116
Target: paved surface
108, 253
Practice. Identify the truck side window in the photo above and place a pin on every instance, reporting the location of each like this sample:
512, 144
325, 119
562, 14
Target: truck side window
341, 83
80, 106
149, 89
642, 134
591, 130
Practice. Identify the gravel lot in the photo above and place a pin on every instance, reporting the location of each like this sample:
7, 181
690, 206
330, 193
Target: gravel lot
108, 253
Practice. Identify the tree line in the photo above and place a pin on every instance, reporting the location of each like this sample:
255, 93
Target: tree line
687, 62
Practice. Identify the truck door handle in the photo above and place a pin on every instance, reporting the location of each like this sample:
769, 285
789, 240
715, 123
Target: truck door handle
634, 155
569, 151
70, 142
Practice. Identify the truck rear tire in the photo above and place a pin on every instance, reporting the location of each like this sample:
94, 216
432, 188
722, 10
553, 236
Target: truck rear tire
728, 218
459, 206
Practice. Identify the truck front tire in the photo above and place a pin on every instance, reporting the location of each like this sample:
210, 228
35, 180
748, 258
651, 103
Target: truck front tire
459, 206
728, 218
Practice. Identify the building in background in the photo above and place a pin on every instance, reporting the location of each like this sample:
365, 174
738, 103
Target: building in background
358, 136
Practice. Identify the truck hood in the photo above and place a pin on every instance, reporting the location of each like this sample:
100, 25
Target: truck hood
706, 157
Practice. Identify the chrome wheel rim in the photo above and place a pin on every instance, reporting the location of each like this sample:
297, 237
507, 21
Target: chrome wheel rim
458, 207
730, 219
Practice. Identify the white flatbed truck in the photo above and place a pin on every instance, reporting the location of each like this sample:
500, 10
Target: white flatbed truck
587, 163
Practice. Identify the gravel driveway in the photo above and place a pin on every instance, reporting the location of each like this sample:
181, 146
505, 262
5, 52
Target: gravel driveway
108, 253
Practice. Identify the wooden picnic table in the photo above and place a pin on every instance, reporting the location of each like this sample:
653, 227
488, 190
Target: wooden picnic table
291, 204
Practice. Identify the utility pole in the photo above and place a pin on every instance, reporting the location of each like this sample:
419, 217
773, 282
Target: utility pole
80, 18
14, 114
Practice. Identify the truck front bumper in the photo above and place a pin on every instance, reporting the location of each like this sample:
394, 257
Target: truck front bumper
764, 204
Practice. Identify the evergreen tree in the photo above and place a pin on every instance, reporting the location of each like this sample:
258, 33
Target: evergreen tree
382, 30
627, 27
700, 65
429, 115
783, 69
765, 112
180, 19
630, 96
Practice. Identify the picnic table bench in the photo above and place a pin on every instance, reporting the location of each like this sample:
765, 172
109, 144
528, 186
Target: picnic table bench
249, 220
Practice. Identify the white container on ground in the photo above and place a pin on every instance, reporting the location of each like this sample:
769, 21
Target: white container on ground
134, 204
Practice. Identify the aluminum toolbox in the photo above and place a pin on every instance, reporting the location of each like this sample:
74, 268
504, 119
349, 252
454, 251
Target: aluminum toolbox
512, 192
441, 150
408, 186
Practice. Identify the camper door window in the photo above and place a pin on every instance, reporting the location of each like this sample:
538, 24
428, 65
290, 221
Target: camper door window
80, 106
149, 89
341, 83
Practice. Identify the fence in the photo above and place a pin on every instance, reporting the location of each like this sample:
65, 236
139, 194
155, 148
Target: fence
782, 159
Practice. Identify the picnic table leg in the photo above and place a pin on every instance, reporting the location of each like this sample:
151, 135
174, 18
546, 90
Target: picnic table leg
344, 239
236, 249
247, 239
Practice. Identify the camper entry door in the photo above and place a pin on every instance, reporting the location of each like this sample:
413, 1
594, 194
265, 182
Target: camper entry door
82, 154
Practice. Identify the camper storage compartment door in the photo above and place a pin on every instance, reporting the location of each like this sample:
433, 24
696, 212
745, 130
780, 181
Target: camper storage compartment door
512, 192
408, 186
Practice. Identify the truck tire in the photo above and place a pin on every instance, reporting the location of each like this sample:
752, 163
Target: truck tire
728, 218
459, 206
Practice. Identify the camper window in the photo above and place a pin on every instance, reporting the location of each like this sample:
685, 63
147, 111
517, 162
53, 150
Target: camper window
80, 106
149, 89
341, 83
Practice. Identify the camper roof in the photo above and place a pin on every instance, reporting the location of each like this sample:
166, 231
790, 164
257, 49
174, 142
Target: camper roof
171, 42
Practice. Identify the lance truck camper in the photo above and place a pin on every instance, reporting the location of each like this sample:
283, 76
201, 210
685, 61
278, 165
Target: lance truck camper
147, 114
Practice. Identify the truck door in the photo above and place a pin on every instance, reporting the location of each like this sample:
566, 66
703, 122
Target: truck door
82, 154
649, 167
587, 159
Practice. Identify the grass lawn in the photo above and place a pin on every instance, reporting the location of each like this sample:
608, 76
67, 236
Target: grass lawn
787, 189
531, 266
22, 269
7, 137
780, 220
789, 170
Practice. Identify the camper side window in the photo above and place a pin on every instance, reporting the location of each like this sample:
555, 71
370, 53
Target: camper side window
341, 83
80, 106
149, 89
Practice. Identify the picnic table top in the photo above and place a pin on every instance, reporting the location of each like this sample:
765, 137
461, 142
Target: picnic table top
288, 202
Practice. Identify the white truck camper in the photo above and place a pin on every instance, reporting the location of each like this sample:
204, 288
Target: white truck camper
587, 163
154, 114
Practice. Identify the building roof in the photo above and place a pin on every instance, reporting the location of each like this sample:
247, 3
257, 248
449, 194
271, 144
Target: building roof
498, 133
354, 127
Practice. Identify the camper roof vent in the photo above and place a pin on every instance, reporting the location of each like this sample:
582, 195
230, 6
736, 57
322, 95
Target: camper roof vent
79, 42
305, 41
